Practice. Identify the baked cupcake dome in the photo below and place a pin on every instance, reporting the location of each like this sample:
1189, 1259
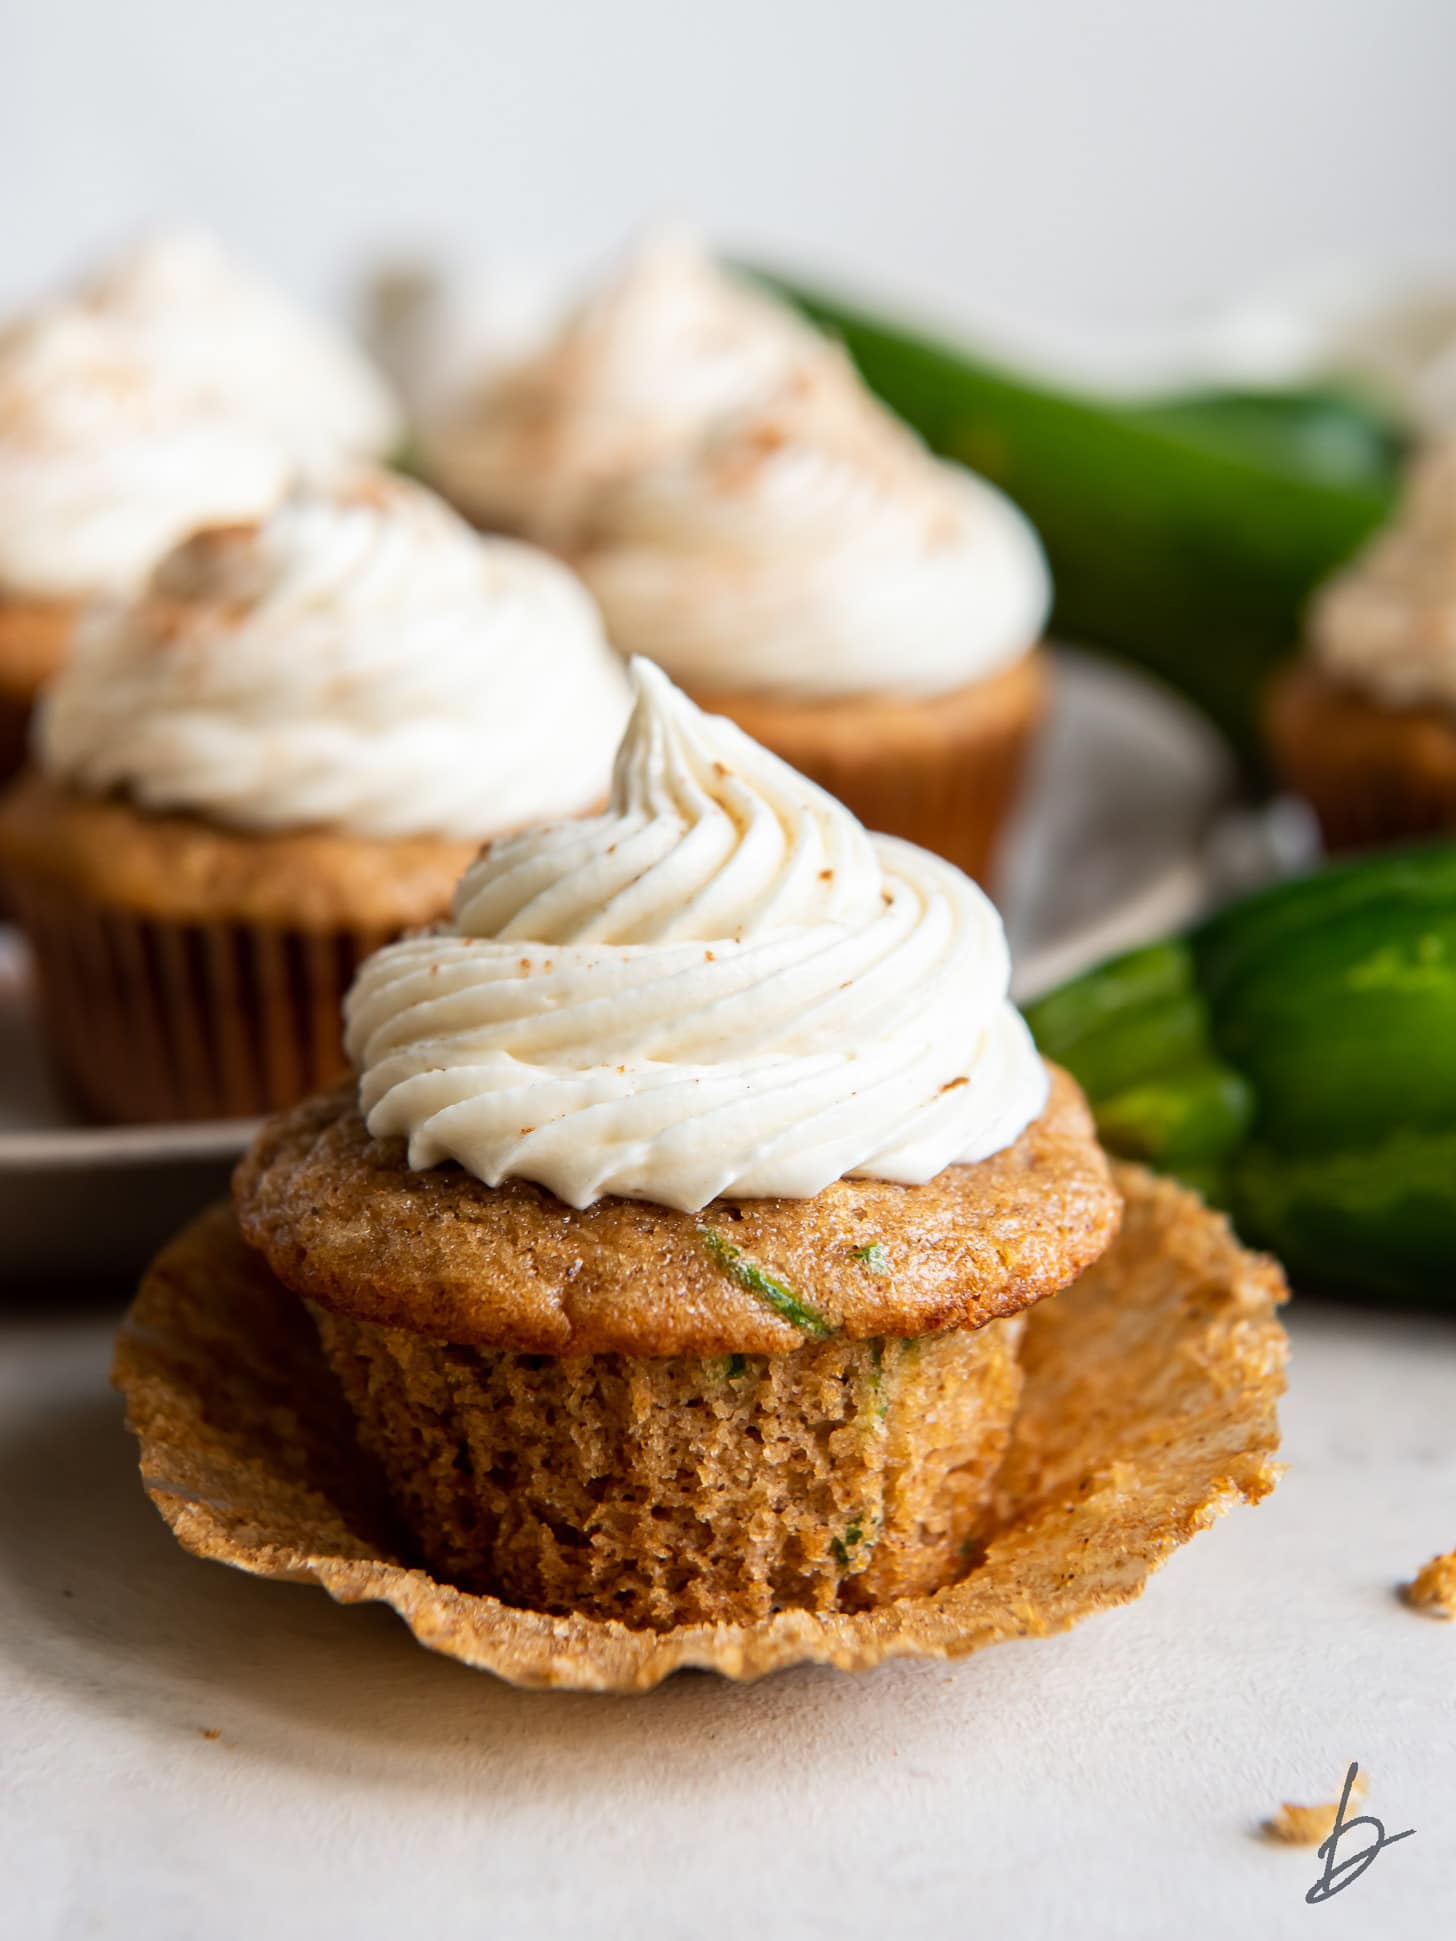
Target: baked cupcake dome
1364, 723
674, 1255
750, 518
282, 754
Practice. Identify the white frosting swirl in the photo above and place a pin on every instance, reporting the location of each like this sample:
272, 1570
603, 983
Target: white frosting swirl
636, 373
1387, 623
246, 349
358, 659
748, 515
815, 549
105, 462
720, 986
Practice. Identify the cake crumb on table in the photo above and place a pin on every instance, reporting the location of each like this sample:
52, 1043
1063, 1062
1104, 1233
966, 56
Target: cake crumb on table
1307, 1826
1433, 1589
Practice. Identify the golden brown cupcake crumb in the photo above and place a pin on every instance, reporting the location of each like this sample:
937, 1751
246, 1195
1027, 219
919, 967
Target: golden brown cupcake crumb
660, 1491
1307, 1826
342, 1220
1433, 1589
184, 869
1149, 1408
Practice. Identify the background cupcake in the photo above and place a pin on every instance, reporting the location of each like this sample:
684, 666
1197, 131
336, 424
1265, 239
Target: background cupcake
235, 342
279, 756
752, 519
105, 462
171, 391
1364, 724
675, 1253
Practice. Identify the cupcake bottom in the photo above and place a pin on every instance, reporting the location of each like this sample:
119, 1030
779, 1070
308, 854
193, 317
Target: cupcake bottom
942, 771
191, 973
1149, 1406
33, 637
1372, 774
153, 1021
669, 1490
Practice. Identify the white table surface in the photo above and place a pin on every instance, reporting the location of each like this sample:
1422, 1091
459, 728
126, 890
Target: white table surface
1102, 1783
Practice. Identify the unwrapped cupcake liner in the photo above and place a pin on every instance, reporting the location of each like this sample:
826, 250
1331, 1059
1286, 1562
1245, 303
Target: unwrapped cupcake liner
152, 1020
943, 772
1149, 1408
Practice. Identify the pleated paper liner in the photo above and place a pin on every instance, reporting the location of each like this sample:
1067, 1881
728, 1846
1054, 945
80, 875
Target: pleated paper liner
1149, 1408
152, 1020
942, 772
1372, 774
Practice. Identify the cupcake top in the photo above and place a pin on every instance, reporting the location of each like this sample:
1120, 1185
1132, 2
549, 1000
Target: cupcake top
359, 659
812, 548
747, 514
1387, 623
637, 372
105, 460
226, 336
720, 986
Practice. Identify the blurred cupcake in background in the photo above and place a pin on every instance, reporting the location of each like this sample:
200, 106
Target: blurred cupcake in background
1363, 724
753, 520
235, 342
105, 462
279, 756
170, 391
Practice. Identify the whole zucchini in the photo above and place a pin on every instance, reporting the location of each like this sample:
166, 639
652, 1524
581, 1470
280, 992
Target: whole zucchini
1295, 1058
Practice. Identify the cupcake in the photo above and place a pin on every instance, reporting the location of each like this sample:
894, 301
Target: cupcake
170, 391
749, 517
674, 1249
279, 756
105, 463
1363, 724
246, 349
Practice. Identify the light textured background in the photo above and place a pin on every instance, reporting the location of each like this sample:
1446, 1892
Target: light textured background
1048, 163
1102, 1784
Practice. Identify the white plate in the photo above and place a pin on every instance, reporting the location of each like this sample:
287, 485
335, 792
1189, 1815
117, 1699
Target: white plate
1109, 850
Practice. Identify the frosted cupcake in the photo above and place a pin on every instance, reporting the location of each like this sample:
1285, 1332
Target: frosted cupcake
675, 1250
282, 754
752, 519
1364, 723
245, 348
104, 464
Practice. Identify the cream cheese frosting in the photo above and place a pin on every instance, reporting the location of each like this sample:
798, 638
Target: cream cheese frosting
815, 549
105, 462
357, 659
635, 373
1387, 623
747, 514
245, 348
721, 986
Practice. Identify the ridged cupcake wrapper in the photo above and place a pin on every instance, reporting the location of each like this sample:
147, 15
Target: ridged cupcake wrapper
1371, 774
1149, 1407
943, 773
956, 807
153, 1021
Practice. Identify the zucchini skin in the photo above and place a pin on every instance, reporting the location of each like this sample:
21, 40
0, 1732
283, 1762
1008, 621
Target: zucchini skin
1295, 1058
1184, 535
